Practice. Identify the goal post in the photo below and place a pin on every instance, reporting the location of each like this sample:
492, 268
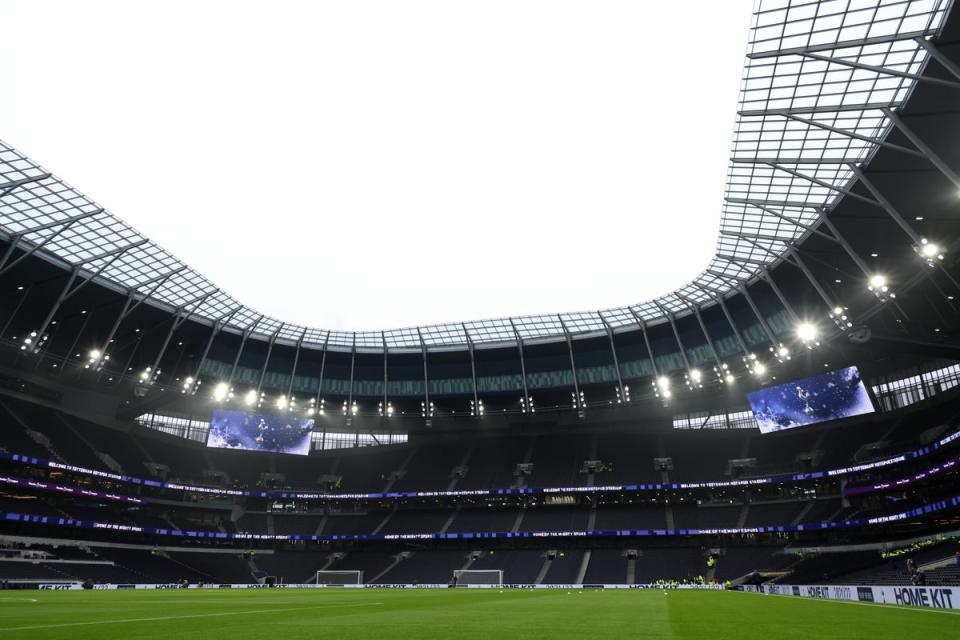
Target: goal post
478, 577
338, 578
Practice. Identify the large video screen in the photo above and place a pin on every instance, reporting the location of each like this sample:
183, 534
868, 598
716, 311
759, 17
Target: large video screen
260, 432
830, 396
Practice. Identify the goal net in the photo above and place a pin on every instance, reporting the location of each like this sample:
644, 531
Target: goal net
478, 576
334, 578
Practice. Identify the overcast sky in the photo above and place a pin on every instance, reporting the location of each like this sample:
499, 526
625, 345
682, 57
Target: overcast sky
370, 165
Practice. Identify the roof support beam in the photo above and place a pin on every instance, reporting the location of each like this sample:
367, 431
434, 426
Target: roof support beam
646, 341
353, 366
676, 334
160, 277
427, 413
244, 336
831, 304
17, 237
7, 187
743, 235
318, 401
57, 223
733, 325
178, 319
882, 70
16, 309
790, 160
789, 204
129, 306
790, 220
706, 334
885, 205
523, 364
738, 260
473, 369
826, 185
846, 246
67, 292
621, 391
763, 321
573, 365
930, 154
296, 363
218, 326
831, 46
939, 56
854, 135
386, 375
836, 108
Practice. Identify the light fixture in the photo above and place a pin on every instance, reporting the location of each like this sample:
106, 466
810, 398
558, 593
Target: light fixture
250, 398
879, 285
220, 391
807, 331
476, 408
931, 252
759, 369
282, 402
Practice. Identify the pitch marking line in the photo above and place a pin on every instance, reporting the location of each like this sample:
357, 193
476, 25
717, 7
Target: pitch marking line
198, 615
19, 600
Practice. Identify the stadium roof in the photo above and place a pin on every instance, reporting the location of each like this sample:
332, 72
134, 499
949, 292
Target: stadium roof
820, 89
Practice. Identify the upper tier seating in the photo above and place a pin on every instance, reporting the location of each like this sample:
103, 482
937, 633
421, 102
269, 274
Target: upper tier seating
489, 461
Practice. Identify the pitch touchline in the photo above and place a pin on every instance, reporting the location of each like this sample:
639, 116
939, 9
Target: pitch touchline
197, 615
884, 605
19, 600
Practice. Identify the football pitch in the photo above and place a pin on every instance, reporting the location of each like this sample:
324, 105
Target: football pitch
385, 614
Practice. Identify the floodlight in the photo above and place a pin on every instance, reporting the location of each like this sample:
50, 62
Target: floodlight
878, 281
929, 249
250, 398
220, 391
807, 331
759, 369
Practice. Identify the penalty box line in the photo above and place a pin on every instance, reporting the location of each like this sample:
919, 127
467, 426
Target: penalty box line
185, 617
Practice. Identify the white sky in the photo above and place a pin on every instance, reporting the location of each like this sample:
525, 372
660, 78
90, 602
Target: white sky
370, 165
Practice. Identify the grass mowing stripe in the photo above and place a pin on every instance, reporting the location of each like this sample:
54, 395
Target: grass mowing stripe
196, 615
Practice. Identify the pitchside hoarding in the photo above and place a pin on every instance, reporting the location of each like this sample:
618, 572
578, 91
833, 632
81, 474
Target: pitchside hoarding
923, 597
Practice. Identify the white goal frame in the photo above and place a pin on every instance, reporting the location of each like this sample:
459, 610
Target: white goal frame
459, 574
349, 577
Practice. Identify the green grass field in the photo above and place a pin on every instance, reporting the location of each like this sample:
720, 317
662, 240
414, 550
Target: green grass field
453, 614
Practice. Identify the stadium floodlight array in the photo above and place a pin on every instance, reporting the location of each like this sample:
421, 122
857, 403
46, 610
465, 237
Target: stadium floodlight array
478, 576
334, 578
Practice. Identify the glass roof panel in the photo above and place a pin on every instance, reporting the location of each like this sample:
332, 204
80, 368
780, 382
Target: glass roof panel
816, 80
